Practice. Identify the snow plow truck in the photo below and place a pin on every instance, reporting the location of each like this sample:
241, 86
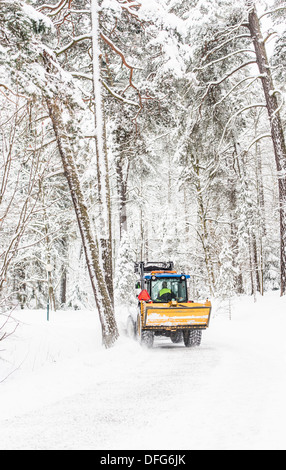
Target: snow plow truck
164, 308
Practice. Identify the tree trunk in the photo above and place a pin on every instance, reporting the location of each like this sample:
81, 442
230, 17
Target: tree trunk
105, 236
63, 287
204, 235
276, 129
261, 225
122, 194
101, 295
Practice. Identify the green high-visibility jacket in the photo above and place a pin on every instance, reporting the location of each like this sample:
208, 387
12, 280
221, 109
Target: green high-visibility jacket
164, 291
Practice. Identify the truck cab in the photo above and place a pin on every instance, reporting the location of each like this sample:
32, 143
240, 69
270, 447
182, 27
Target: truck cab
164, 287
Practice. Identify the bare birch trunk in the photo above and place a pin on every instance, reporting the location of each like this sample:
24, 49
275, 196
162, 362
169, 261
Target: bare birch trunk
276, 129
101, 295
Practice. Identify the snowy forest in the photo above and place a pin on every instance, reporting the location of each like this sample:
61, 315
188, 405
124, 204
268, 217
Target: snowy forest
140, 130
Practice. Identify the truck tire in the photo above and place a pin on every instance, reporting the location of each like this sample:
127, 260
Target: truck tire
176, 336
192, 338
147, 338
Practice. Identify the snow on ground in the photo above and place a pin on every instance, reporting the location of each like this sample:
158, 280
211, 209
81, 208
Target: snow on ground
66, 392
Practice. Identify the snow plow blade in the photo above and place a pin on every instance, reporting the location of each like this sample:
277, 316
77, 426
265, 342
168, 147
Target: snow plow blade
177, 315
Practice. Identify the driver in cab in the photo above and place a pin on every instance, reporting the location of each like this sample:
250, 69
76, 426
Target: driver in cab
165, 293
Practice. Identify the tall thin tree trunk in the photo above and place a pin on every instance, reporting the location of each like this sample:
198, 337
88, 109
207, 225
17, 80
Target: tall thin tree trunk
261, 224
276, 128
122, 195
204, 236
100, 291
255, 262
63, 280
105, 236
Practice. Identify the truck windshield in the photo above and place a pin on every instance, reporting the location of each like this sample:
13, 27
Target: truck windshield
164, 289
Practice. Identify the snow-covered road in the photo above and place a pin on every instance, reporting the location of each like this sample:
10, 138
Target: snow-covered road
227, 394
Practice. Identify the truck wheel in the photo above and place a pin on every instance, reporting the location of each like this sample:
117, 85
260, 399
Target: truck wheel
176, 336
192, 338
147, 338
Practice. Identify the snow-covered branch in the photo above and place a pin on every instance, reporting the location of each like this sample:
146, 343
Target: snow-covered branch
240, 111
257, 139
74, 41
131, 6
275, 10
14, 93
237, 85
53, 10
225, 43
79, 12
119, 97
224, 78
209, 64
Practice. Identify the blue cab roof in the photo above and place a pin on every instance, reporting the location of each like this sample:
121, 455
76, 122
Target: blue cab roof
149, 276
